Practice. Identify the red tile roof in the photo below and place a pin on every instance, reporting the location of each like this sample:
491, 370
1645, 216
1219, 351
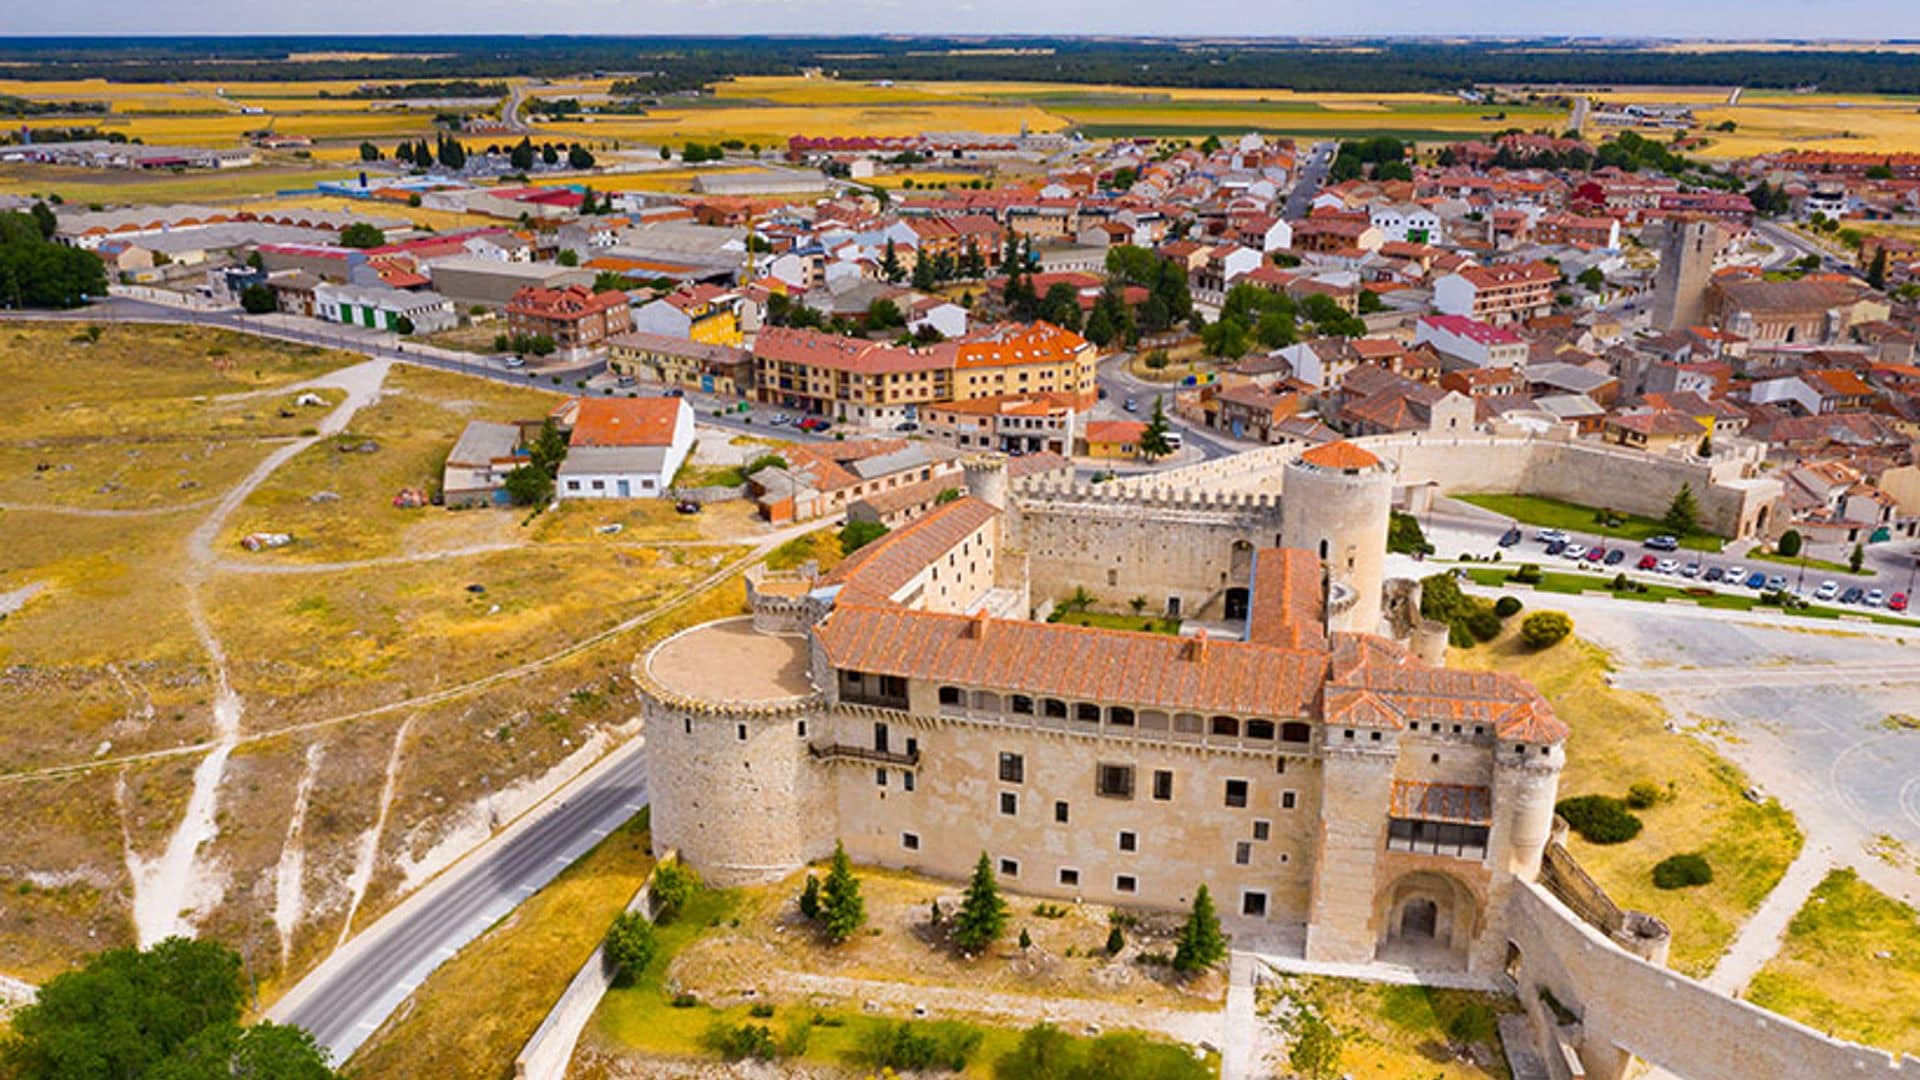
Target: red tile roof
625, 422
1340, 455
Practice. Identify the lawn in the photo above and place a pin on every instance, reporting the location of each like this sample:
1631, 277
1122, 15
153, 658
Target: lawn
1619, 739
1823, 565
1850, 965
1403, 1032
465, 1019
1553, 581
1108, 620
1557, 514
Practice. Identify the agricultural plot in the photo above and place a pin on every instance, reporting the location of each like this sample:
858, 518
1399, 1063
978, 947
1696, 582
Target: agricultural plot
1850, 126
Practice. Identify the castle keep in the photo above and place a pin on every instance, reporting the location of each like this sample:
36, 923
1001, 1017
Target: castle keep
1331, 787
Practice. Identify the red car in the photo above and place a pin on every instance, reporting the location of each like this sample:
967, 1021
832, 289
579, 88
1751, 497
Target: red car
1648, 562
814, 423
1595, 554
1897, 602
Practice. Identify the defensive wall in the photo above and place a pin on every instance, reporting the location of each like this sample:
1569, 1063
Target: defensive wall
1627, 1006
1731, 502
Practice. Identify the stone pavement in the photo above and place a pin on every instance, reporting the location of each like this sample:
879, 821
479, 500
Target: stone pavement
1760, 938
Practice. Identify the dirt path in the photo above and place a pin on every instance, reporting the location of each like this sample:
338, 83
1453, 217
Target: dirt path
363, 863
289, 874
95, 512
1766, 928
168, 889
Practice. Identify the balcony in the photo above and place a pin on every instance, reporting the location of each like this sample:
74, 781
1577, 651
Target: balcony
845, 752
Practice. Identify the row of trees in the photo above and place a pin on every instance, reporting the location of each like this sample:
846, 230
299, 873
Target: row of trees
1272, 320
35, 272
453, 154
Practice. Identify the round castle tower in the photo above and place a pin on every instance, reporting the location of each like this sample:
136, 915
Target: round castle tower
1334, 502
986, 475
731, 713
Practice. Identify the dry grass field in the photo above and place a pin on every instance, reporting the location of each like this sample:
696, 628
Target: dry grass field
1850, 964
1872, 127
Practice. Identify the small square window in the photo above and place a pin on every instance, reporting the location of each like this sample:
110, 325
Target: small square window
1126, 883
1288, 800
1253, 905
910, 841
1009, 867
1261, 829
1129, 841
1069, 876
740, 730
1009, 803
1060, 812
1236, 793
1013, 768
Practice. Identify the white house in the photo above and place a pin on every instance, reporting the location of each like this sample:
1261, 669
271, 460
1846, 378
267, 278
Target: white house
623, 448
1406, 222
945, 316
383, 308
1471, 341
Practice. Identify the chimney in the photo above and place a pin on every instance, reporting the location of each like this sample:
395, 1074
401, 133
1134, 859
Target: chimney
977, 626
1197, 648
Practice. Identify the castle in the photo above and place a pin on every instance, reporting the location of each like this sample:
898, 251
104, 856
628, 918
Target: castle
1308, 758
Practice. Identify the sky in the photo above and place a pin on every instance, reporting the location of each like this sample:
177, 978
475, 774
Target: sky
1877, 19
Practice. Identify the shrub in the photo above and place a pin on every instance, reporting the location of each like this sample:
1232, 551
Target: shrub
919, 1047
810, 898
1115, 941
1026, 939
1599, 819
761, 1010
1506, 606
684, 1000
1484, 625
738, 1042
1790, 543
673, 886
1543, 629
1643, 795
630, 944
1682, 871
1528, 574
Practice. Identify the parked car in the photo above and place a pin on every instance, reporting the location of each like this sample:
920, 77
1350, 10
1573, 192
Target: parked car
1595, 554
624, 380
1548, 536
1713, 573
1827, 590
1575, 551
1853, 595
814, 423
779, 419
1663, 542
1667, 566
1776, 582
1131, 405
1757, 581
1736, 574
516, 361
1555, 547
1647, 562
1616, 556
673, 391
1874, 598
1509, 538
906, 425
687, 506
1692, 569
1897, 602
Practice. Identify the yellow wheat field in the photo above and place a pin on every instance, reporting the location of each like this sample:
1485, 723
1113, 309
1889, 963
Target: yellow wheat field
773, 125
1766, 128
437, 220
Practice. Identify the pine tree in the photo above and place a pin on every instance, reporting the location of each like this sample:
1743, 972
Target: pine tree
1153, 441
890, 266
1026, 939
1115, 940
1200, 944
1877, 273
1683, 513
810, 898
982, 914
841, 909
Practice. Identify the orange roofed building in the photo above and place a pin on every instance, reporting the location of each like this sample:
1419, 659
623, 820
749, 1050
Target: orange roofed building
578, 319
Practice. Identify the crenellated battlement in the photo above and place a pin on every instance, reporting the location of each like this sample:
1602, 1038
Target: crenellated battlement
1157, 497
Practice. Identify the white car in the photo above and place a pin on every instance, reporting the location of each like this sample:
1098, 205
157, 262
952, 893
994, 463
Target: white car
516, 362
1667, 566
1875, 598
1692, 569
1827, 590
1736, 574
1548, 536
1575, 551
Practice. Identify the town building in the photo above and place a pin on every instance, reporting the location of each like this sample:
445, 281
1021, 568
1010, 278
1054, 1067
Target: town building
1471, 342
578, 319
384, 309
1502, 293
623, 448
1013, 423
476, 470
676, 361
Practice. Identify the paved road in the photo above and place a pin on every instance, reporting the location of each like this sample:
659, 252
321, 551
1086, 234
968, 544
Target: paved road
1121, 384
347, 998
1733, 678
1313, 173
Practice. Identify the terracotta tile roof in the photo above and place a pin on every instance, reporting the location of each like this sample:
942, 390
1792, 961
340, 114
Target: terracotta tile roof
1458, 804
1115, 431
1011, 344
1373, 683
1285, 608
875, 572
572, 302
624, 421
1340, 455
1073, 662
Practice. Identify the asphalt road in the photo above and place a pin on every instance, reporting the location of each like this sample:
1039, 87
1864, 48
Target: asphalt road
1307, 184
1120, 385
347, 998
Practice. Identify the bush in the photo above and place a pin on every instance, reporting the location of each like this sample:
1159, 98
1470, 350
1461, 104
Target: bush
810, 898
630, 944
1644, 795
1682, 871
738, 1042
1506, 606
1484, 625
1543, 629
1115, 941
673, 886
761, 1010
1599, 819
1790, 544
920, 1047
1528, 574
684, 1000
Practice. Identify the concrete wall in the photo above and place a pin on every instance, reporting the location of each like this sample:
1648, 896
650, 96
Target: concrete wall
550, 1049
1629, 1007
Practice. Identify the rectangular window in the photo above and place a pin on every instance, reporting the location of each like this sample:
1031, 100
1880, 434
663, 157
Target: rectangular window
1288, 800
1060, 812
1242, 853
1009, 867
1069, 876
1126, 883
1009, 803
1013, 768
800, 728
1129, 840
1236, 793
1114, 781
740, 731
906, 780
1261, 829
910, 841
1162, 784
1253, 905
880, 777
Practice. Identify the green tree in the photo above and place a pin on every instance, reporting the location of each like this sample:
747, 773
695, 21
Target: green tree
1790, 543
842, 911
630, 945
567, 257
982, 914
1877, 270
172, 1011
1856, 558
1315, 1052
1683, 514
362, 234
1592, 279
1404, 535
810, 898
1116, 941
548, 449
884, 314
674, 885
257, 300
855, 535
1705, 449
1543, 629
1200, 944
521, 156
44, 217
890, 267
1154, 443
528, 485
1370, 302
579, 157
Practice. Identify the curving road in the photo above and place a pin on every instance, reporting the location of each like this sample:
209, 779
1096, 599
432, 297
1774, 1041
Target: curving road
344, 1000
